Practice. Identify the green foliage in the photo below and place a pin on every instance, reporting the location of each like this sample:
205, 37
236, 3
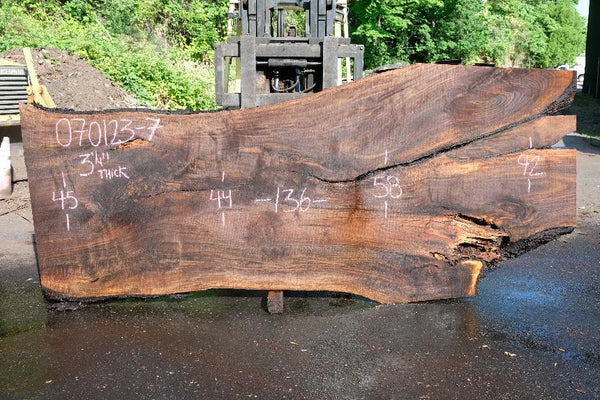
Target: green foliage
157, 49
80, 11
118, 16
530, 33
296, 18
566, 33
517, 37
393, 30
460, 31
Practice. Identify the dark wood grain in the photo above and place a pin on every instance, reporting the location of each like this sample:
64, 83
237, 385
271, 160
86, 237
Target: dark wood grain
399, 187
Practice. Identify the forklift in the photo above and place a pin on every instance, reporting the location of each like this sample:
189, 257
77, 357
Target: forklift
276, 59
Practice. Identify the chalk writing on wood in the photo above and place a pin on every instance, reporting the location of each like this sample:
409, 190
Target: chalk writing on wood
223, 198
530, 164
78, 131
67, 200
387, 188
92, 160
291, 200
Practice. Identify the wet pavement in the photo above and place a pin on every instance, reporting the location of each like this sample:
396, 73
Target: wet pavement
533, 332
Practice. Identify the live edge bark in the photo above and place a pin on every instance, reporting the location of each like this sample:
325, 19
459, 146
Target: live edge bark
399, 187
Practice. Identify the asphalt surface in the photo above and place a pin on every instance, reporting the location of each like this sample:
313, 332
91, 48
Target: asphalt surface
533, 332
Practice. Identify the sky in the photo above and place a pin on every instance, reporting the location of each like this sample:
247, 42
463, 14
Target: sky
583, 7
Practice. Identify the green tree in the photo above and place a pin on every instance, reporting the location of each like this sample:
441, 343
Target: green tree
529, 33
515, 32
196, 25
419, 30
393, 30
459, 31
566, 34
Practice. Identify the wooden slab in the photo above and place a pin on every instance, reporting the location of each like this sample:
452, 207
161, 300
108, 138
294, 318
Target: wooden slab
399, 187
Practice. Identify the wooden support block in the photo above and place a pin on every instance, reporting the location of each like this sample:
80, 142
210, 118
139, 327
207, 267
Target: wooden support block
275, 301
399, 187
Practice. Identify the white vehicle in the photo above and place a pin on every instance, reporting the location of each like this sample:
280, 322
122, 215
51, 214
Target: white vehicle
579, 67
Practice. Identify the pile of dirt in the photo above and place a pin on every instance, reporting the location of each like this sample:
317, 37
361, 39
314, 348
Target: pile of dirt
72, 82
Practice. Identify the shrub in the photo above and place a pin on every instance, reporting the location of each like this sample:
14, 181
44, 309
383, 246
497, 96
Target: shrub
118, 37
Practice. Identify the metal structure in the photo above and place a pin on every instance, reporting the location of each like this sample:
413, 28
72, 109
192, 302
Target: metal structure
13, 90
276, 60
20, 84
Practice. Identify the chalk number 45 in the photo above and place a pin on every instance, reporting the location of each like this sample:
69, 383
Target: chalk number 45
66, 198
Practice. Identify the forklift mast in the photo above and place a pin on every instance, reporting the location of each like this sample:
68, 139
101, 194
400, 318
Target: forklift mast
276, 60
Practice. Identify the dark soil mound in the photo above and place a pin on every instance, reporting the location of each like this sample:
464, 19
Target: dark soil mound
72, 82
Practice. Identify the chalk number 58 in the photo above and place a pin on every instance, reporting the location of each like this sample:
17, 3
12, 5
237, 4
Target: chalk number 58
388, 186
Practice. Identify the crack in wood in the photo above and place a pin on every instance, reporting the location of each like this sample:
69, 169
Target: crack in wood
131, 144
428, 156
514, 249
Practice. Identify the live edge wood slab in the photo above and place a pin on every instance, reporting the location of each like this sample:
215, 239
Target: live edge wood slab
399, 187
